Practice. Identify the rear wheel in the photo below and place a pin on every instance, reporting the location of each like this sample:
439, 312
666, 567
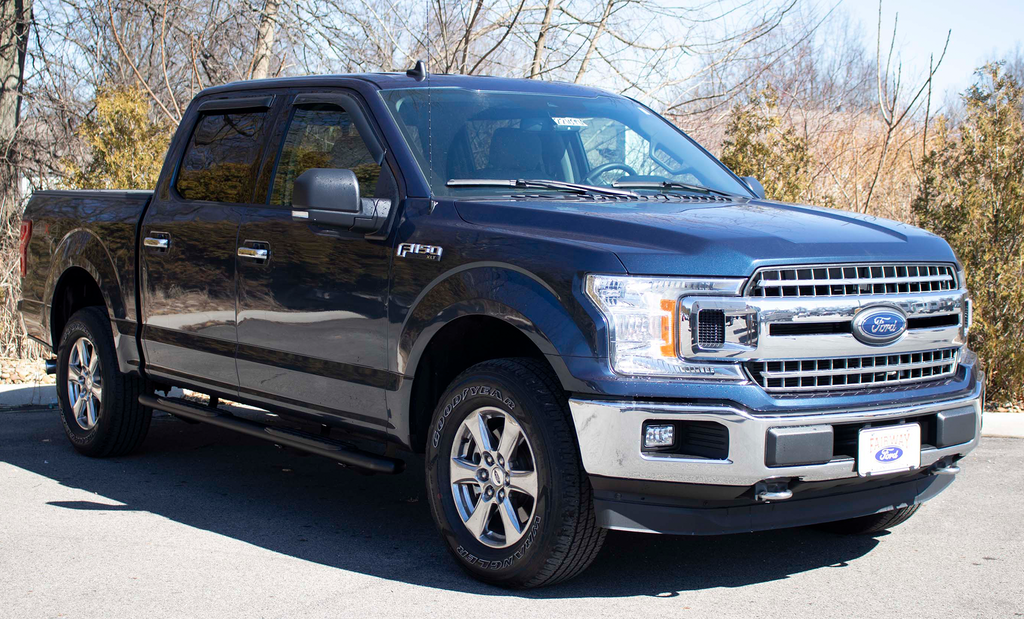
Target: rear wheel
100, 406
504, 478
875, 523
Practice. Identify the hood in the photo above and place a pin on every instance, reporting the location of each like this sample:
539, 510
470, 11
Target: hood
700, 237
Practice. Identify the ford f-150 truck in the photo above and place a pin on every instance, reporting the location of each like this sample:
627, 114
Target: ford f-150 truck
576, 315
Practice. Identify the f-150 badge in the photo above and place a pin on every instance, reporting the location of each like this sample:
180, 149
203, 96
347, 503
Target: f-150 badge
424, 252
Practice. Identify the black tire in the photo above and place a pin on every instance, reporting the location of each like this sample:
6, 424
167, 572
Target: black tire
121, 423
561, 537
868, 525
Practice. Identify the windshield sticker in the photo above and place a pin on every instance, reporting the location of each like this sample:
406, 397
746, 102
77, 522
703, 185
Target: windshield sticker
565, 121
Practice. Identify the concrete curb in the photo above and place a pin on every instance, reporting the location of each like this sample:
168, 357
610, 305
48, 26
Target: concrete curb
1010, 425
12, 396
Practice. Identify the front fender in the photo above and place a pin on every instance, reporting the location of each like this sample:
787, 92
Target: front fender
549, 317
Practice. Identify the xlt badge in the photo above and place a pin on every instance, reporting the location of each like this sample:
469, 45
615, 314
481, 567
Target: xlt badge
415, 250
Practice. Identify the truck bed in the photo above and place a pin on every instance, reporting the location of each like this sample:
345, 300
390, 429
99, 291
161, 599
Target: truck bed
91, 229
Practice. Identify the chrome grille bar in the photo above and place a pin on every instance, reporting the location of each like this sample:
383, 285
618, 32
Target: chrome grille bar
796, 375
852, 280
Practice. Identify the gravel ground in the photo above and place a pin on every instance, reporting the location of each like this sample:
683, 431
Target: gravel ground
203, 522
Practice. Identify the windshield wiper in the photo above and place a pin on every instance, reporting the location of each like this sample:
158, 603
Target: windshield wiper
670, 185
521, 183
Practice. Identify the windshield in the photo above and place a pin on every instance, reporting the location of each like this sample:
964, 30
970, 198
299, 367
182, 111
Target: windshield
602, 141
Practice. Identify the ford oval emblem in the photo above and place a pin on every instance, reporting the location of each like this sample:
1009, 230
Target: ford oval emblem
888, 454
879, 326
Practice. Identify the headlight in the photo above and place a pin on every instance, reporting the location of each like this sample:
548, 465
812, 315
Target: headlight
643, 318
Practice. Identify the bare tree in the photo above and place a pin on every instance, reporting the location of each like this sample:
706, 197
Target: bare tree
265, 40
15, 17
894, 103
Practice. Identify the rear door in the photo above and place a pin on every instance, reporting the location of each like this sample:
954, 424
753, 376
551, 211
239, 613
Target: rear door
190, 235
312, 322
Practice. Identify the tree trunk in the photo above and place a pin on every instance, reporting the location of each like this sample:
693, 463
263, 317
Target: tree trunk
265, 40
15, 17
538, 49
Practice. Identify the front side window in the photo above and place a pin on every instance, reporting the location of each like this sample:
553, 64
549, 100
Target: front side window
322, 136
218, 164
599, 140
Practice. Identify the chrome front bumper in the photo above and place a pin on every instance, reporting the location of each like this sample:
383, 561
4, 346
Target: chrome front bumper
609, 434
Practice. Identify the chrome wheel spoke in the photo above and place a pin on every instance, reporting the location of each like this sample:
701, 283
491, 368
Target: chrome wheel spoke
94, 360
477, 521
524, 482
510, 519
74, 373
477, 426
77, 406
83, 359
463, 471
509, 438
97, 392
90, 407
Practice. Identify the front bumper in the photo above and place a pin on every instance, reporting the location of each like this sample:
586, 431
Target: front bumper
739, 492
610, 434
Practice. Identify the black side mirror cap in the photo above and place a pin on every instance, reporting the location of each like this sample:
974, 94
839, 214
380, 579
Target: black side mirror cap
755, 185
330, 197
327, 189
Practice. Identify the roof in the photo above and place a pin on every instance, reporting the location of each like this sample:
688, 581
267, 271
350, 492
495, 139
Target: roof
386, 81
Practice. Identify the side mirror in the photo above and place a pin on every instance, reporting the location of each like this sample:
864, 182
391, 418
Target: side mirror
755, 185
330, 197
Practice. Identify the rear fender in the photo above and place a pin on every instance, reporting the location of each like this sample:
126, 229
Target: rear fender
84, 250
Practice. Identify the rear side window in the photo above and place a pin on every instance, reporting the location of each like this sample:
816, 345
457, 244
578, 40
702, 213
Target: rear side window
322, 137
219, 161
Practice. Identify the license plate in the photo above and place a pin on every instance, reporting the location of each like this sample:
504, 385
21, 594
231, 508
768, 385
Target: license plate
889, 449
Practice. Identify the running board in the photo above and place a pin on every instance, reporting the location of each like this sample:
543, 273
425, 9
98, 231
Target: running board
294, 439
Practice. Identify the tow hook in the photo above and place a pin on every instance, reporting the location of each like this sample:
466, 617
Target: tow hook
766, 491
945, 467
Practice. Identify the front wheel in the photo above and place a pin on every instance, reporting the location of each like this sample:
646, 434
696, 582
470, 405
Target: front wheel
504, 478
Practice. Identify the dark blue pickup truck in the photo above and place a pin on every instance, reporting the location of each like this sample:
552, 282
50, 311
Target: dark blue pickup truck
579, 318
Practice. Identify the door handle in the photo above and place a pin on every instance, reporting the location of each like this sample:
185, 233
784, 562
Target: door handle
156, 243
254, 253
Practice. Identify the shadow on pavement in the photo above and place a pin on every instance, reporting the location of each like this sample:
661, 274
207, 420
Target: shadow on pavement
311, 509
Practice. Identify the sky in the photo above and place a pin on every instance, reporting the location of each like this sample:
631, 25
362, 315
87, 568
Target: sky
982, 29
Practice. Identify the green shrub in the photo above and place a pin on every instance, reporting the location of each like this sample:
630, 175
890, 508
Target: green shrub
972, 195
127, 148
756, 144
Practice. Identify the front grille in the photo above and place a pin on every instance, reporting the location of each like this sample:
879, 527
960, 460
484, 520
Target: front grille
852, 280
852, 372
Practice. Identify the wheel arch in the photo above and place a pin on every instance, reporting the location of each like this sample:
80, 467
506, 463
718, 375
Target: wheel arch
476, 314
82, 274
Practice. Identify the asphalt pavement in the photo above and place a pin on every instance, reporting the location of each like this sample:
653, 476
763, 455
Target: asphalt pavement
202, 522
